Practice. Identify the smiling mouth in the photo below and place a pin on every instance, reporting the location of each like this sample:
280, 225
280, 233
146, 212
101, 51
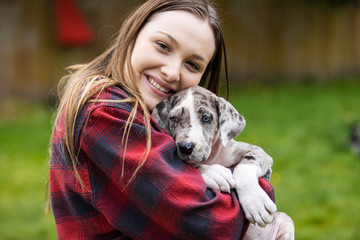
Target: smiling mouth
158, 87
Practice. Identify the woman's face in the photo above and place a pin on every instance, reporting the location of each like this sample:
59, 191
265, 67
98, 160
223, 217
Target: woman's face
171, 53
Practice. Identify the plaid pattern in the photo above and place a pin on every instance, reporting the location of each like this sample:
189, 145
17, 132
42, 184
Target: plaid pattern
167, 200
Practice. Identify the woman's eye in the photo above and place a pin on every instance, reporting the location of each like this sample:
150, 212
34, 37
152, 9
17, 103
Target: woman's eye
193, 66
163, 46
206, 119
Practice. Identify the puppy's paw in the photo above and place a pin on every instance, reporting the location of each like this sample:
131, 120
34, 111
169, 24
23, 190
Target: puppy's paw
217, 177
256, 204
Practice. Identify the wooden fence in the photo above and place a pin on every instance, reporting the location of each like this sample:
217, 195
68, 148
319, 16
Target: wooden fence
293, 40
267, 40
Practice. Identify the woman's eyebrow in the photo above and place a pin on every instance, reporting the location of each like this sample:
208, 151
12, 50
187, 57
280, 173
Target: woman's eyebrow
173, 40
198, 57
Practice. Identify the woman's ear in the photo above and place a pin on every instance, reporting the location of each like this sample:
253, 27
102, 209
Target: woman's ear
231, 123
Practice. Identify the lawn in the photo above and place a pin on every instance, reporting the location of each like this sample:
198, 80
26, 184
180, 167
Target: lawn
305, 129
25, 130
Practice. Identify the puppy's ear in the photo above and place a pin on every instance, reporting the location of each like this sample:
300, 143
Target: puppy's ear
231, 123
160, 114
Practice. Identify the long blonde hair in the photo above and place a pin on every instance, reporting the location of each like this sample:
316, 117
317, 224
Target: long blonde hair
113, 68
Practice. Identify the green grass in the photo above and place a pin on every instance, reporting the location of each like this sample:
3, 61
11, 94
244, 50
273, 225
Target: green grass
305, 129
25, 130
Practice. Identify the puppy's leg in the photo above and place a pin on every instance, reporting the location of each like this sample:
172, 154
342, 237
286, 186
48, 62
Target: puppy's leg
282, 228
257, 205
286, 227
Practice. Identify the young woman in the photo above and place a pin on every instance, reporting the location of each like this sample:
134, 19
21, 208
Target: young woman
114, 173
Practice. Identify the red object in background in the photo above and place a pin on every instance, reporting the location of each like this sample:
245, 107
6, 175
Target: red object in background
71, 26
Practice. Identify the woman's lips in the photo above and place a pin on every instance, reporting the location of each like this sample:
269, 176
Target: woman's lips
157, 86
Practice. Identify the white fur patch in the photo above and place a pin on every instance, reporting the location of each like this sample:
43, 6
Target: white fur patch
195, 132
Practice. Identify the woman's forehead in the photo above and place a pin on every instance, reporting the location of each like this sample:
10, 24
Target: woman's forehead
185, 28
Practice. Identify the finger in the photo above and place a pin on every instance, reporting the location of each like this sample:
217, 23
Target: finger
229, 178
255, 218
222, 183
270, 206
268, 218
211, 183
232, 182
249, 217
227, 174
258, 219
256, 212
225, 188
249, 213
265, 215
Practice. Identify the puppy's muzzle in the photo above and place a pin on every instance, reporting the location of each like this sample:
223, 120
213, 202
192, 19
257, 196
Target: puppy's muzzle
186, 148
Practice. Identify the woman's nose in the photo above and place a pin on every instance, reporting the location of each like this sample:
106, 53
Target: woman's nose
171, 70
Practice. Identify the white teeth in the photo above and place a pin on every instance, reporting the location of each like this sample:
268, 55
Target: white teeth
155, 84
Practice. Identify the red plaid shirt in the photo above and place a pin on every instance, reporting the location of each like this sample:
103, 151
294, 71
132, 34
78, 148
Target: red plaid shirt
167, 200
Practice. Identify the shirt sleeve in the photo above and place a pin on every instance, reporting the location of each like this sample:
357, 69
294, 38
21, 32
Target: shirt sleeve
167, 199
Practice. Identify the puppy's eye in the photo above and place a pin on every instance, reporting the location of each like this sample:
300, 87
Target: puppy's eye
206, 119
174, 119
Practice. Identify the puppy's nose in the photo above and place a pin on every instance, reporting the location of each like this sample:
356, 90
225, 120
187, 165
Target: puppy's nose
186, 147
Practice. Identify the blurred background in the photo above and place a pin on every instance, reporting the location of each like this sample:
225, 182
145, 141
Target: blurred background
295, 74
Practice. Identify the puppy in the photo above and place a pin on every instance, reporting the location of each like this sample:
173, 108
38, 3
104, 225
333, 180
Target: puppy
203, 126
